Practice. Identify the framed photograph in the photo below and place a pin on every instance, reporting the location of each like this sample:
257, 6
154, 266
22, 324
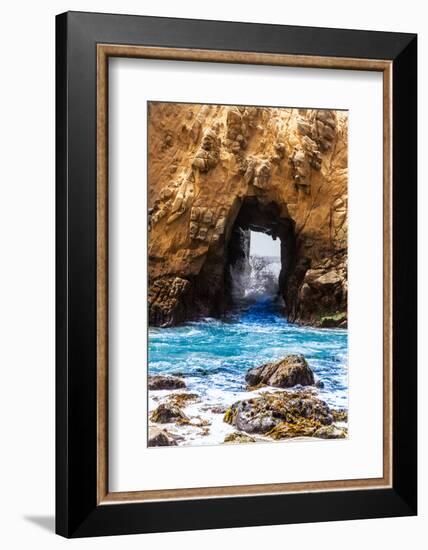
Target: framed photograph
236, 274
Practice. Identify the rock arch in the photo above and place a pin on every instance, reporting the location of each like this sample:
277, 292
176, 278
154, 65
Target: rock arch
216, 169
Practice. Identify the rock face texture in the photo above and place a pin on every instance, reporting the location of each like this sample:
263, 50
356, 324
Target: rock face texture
285, 373
214, 173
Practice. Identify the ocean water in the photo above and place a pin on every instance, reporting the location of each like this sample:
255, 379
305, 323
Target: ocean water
214, 354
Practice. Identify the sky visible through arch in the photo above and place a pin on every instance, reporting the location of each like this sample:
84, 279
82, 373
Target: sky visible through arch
263, 245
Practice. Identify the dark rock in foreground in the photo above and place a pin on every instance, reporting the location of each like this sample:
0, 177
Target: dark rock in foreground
340, 415
160, 438
306, 428
331, 432
280, 415
303, 427
182, 399
167, 413
285, 373
161, 382
237, 437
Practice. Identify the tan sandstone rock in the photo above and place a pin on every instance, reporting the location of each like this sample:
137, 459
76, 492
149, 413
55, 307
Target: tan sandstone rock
214, 170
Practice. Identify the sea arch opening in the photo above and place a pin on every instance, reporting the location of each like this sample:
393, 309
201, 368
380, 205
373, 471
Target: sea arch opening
261, 254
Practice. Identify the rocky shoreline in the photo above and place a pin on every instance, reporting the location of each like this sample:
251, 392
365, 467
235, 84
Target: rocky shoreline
280, 402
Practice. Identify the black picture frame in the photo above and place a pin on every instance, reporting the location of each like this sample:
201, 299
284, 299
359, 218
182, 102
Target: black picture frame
77, 511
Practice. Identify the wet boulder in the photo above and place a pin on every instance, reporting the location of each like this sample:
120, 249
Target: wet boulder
167, 412
165, 382
250, 416
160, 438
303, 427
285, 373
237, 437
340, 415
264, 413
331, 432
307, 427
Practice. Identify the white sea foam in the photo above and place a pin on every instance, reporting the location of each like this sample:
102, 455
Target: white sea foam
255, 278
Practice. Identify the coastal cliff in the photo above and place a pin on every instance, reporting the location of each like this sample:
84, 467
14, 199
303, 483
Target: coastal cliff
215, 173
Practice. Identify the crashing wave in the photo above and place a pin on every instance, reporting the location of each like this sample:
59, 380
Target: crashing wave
255, 279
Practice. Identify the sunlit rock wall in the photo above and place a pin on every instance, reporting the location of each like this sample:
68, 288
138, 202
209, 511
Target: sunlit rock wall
203, 160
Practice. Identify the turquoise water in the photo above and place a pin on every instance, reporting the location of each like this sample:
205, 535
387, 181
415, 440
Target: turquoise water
214, 355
